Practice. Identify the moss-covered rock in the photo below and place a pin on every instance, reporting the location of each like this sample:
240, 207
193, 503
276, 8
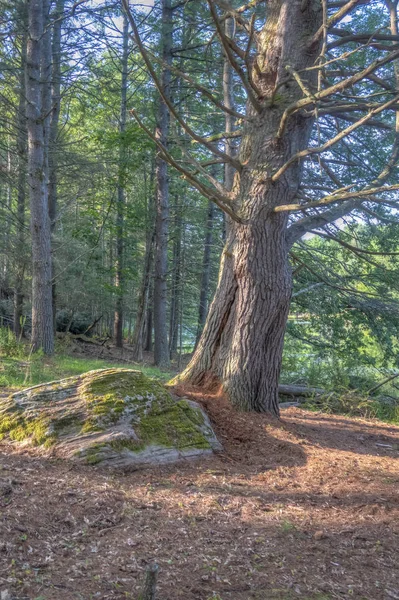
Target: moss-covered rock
112, 416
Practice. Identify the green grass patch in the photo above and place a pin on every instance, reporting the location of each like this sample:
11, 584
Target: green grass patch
16, 373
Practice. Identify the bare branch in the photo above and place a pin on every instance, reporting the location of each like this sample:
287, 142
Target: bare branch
344, 133
224, 202
354, 249
311, 222
249, 88
334, 89
368, 38
214, 149
340, 14
198, 86
338, 197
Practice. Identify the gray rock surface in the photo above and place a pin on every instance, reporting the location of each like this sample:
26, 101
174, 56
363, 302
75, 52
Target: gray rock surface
116, 417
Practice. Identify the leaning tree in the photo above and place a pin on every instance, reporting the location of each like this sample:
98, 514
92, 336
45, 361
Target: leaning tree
321, 93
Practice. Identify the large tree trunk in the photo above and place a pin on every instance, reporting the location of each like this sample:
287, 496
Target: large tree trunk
120, 207
42, 310
161, 349
241, 346
242, 342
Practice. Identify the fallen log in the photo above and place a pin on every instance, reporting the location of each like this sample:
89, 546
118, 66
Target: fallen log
283, 405
300, 390
81, 337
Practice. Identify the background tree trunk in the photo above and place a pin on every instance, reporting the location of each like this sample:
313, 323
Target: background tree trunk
42, 310
205, 277
161, 349
175, 300
21, 192
54, 120
142, 308
120, 207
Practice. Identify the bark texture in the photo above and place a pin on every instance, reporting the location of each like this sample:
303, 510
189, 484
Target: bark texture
175, 300
205, 277
120, 216
150, 584
21, 197
142, 307
53, 135
241, 346
161, 347
42, 310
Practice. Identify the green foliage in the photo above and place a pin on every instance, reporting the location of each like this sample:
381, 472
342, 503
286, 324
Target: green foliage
353, 404
9, 345
78, 322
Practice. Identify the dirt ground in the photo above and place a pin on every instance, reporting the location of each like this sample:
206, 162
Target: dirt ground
306, 508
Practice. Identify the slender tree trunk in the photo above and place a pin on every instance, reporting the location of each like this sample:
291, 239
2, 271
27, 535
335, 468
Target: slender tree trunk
228, 99
54, 120
206, 271
148, 339
161, 349
241, 346
142, 307
21, 194
120, 206
46, 83
42, 310
7, 226
176, 280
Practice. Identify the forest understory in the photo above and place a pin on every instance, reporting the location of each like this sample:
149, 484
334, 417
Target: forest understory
305, 507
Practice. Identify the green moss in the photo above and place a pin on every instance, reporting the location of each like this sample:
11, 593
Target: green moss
108, 395
132, 445
8, 423
18, 428
37, 430
157, 419
93, 458
92, 455
174, 427
91, 426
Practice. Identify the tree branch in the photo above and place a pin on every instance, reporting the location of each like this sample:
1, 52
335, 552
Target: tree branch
334, 89
223, 202
338, 197
344, 133
249, 88
235, 163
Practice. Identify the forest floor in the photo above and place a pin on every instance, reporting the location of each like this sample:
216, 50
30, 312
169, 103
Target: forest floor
306, 507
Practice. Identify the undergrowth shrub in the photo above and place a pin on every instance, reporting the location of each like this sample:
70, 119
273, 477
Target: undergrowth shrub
79, 323
353, 404
9, 345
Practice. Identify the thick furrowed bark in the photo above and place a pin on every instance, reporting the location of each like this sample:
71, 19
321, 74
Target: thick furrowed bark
252, 342
42, 309
202, 365
241, 346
